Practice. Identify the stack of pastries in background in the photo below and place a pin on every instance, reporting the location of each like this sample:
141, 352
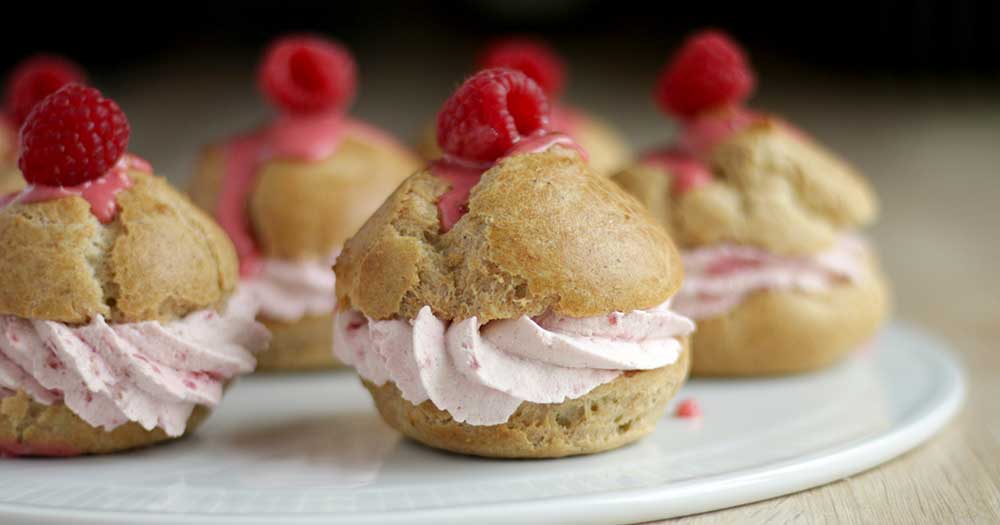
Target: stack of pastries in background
505, 300
290, 193
778, 278
119, 326
28, 83
606, 148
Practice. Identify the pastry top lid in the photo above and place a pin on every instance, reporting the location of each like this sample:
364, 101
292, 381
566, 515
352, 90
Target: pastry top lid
298, 186
94, 232
511, 222
737, 175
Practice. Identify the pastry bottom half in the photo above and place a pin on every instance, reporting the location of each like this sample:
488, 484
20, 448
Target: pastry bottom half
608, 417
29, 428
306, 344
783, 332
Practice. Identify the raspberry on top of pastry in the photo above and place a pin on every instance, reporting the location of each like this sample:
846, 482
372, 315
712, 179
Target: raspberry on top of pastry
778, 278
605, 147
291, 192
30, 81
118, 324
506, 301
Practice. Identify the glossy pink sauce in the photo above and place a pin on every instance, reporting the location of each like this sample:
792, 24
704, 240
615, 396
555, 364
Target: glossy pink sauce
295, 137
684, 161
462, 175
100, 193
688, 172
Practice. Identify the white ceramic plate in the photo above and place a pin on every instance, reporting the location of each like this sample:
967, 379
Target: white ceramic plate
310, 449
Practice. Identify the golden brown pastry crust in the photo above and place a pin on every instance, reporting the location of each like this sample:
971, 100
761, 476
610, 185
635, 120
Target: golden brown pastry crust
159, 259
779, 332
305, 344
771, 189
541, 232
10, 176
606, 149
305, 209
610, 416
31, 425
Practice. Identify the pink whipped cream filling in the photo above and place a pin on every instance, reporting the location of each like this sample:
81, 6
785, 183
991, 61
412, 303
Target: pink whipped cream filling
481, 374
718, 278
100, 193
290, 290
148, 372
299, 137
462, 175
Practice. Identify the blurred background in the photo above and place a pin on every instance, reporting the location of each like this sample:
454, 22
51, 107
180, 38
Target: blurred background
907, 91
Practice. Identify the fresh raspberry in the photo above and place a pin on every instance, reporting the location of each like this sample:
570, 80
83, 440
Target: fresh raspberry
489, 113
308, 74
72, 136
709, 71
35, 79
531, 57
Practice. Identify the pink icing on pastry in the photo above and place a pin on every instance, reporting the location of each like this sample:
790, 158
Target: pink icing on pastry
687, 172
100, 192
298, 137
463, 175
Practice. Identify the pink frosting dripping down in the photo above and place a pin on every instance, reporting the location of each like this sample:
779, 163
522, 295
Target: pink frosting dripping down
299, 137
687, 171
462, 175
101, 192
685, 160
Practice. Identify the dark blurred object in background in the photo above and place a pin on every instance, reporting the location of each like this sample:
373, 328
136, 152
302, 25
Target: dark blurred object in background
919, 37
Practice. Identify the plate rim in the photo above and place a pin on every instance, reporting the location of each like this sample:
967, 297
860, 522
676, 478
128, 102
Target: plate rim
627, 505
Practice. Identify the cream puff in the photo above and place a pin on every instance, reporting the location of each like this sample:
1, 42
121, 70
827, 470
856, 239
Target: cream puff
290, 193
31, 81
779, 279
505, 301
118, 323
605, 146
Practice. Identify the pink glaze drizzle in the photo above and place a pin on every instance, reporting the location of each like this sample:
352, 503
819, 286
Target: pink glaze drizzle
462, 175
300, 137
687, 171
101, 192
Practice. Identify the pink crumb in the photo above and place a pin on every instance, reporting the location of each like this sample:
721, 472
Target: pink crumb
688, 409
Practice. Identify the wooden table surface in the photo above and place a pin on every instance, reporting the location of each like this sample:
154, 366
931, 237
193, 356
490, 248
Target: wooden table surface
932, 150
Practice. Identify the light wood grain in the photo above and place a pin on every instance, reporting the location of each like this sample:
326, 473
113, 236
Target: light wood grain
932, 150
